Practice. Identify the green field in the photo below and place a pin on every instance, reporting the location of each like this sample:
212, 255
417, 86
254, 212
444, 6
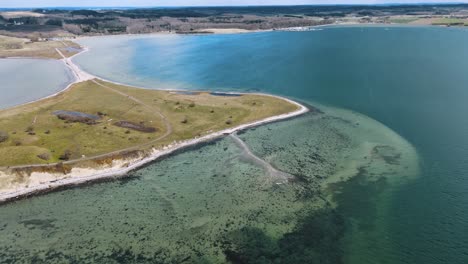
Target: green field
450, 22
37, 136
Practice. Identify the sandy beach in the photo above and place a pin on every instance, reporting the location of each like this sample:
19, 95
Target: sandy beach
45, 182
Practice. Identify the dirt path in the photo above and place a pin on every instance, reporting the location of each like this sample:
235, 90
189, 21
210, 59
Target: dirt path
84, 76
157, 111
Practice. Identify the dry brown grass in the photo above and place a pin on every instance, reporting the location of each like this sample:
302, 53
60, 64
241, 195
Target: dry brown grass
16, 14
19, 47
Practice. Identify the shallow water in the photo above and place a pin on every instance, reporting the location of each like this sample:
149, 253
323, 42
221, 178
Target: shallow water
25, 80
211, 202
365, 194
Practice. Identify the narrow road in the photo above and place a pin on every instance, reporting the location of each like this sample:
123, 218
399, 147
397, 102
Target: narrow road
80, 76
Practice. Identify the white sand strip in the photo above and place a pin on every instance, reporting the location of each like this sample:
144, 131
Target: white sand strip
275, 175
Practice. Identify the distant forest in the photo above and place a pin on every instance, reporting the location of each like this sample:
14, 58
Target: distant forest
57, 22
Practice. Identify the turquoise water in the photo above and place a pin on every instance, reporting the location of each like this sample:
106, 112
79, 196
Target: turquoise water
25, 80
380, 174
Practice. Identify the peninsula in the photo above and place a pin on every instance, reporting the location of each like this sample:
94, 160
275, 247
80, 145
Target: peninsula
96, 129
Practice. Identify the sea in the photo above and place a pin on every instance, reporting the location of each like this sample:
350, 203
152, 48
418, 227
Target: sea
380, 165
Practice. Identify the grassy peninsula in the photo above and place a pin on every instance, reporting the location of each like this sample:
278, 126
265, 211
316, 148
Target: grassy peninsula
127, 118
96, 129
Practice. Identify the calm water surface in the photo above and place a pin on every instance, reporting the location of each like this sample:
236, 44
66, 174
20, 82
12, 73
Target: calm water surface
387, 185
25, 80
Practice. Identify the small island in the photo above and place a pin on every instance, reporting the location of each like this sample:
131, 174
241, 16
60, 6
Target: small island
97, 129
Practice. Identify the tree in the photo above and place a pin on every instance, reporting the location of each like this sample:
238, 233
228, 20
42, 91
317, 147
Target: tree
66, 155
54, 22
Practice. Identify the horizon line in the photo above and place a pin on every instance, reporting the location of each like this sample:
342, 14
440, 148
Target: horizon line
257, 5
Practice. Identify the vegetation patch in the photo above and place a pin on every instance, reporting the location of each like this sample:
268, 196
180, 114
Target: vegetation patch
138, 127
72, 116
3, 136
450, 22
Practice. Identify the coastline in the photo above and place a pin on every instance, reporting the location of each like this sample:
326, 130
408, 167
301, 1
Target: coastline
235, 31
79, 176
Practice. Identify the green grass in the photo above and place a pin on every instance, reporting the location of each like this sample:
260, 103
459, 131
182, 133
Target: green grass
204, 113
450, 21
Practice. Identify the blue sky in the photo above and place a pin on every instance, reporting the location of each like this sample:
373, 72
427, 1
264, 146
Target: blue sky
45, 3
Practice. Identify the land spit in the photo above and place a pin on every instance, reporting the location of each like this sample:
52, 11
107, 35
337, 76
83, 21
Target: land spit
48, 181
275, 175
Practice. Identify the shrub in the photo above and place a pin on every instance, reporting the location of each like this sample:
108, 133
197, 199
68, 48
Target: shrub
54, 22
66, 155
30, 130
44, 156
3, 136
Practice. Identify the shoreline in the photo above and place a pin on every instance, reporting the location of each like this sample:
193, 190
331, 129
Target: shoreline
236, 31
119, 170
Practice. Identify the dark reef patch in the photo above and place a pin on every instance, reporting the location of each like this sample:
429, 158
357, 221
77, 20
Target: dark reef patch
39, 223
357, 197
388, 154
135, 126
316, 239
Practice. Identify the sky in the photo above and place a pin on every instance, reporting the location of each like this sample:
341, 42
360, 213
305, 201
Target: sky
156, 3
